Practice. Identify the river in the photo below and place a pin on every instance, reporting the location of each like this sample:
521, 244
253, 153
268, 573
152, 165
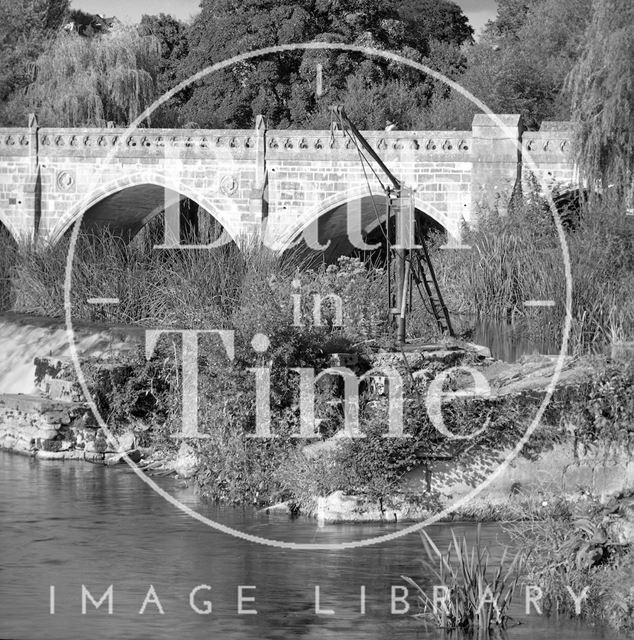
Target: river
72, 524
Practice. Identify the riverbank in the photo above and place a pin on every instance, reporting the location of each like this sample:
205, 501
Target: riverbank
577, 466
566, 456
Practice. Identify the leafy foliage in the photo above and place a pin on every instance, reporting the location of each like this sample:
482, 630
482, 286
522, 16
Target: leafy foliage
283, 87
602, 410
600, 85
576, 551
519, 65
429, 21
25, 29
174, 45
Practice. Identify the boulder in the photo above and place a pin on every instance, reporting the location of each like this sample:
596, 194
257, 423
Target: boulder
338, 507
127, 441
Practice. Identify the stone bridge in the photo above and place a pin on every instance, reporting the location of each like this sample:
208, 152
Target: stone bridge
273, 183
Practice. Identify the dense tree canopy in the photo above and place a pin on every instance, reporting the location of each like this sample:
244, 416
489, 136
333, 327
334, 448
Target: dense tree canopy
172, 37
429, 20
25, 28
283, 86
510, 18
520, 65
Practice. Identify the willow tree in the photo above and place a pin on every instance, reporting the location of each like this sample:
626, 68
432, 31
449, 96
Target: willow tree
91, 81
601, 86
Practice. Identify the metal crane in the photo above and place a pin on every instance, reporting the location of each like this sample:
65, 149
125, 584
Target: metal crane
410, 253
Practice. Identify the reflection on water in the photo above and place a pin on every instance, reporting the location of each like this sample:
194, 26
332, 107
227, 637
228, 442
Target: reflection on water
72, 524
509, 341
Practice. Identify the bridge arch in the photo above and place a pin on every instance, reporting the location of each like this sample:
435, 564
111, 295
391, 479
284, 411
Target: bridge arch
138, 186
7, 229
8, 257
329, 221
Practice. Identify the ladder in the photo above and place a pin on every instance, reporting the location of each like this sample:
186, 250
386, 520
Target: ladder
413, 265
422, 272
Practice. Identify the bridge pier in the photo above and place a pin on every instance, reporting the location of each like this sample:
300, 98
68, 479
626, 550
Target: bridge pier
258, 195
497, 166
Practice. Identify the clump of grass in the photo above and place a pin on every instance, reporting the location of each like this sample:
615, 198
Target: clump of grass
478, 595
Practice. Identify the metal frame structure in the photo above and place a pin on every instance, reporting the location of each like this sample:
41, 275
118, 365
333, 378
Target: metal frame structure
412, 261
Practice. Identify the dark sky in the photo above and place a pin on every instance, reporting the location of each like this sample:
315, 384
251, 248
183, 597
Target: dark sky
478, 11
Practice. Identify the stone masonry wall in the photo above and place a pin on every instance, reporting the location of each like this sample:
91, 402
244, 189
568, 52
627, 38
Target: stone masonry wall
286, 179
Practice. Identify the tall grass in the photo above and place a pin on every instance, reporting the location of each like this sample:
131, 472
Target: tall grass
479, 595
188, 288
514, 259
518, 258
575, 551
232, 286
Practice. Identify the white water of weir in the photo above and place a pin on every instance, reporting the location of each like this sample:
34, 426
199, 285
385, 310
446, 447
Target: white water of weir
24, 339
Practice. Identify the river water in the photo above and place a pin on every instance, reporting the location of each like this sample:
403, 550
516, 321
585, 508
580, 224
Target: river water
509, 341
74, 524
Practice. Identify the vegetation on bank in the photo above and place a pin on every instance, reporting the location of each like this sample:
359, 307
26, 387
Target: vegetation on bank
514, 258
579, 548
520, 257
251, 291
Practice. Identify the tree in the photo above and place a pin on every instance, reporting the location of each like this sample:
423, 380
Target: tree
174, 44
282, 87
520, 65
172, 37
90, 81
25, 28
434, 20
510, 18
601, 87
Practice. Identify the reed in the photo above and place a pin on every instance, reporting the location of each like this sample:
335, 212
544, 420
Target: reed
518, 257
478, 593
8, 255
173, 287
